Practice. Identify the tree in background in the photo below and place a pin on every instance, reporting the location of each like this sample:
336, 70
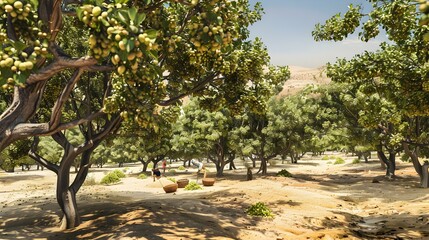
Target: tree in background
394, 79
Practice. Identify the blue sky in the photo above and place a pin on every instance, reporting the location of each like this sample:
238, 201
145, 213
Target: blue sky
286, 29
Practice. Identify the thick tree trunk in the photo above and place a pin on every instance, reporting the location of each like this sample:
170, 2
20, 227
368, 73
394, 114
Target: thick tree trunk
422, 170
220, 165
71, 218
145, 164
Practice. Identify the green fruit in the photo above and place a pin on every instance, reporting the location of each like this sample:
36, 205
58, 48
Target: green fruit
121, 45
121, 70
96, 11
18, 5
8, 8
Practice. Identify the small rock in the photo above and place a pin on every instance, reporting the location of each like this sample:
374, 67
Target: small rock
375, 181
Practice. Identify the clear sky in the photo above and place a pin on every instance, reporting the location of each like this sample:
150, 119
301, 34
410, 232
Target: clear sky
286, 29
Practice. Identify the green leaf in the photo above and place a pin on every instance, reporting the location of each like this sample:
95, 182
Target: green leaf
151, 33
123, 55
132, 12
130, 46
79, 13
122, 15
139, 19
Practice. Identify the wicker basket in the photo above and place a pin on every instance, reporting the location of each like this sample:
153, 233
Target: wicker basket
182, 183
208, 181
170, 188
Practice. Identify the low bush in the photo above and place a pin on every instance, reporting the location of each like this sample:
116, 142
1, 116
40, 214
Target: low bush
119, 173
339, 161
181, 168
284, 173
193, 186
326, 158
259, 209
110, 178
172, 179
142, 176
172, 171
356, 161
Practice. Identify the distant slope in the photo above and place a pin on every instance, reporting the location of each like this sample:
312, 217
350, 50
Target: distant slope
301, 77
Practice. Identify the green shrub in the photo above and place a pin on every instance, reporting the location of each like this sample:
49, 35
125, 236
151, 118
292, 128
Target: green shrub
356, 161
172, 179
119, 173
326, 158
110, 178
339, 161
181, 168
172, 171
193, 186
125, 169
90, 181
329, 162
142, 176
150, 165
284, 173
259, 209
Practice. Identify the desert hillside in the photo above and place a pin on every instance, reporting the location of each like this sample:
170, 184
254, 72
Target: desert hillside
301, 77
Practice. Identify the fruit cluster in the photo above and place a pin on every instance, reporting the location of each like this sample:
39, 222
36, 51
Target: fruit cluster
16, 9
18, 56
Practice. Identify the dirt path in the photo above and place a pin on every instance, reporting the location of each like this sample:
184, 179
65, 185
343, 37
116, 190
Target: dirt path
321, 201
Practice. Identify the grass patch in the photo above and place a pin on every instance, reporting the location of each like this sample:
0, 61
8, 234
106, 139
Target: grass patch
356, 161
142, 176
259, 209
172, 171
326, 158
193, 186
110, 178
339, 161
90, 181
284, 173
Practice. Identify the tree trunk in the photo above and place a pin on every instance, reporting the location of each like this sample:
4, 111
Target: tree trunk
220, 165
263, 168
232, 165
145, 164
422, 170
389, 162
71, 218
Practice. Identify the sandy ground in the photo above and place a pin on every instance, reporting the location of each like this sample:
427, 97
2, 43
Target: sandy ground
321, 201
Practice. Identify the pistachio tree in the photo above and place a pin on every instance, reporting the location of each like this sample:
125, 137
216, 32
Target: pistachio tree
393, 80
143, 58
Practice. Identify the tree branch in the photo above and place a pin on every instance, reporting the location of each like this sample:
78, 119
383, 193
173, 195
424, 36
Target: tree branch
59, 65
65, 95
33, 154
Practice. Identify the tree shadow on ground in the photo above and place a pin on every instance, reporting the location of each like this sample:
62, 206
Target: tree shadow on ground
214, 216
382, 226
7, 179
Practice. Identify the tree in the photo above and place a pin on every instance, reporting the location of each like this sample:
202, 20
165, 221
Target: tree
139, 56
394, 78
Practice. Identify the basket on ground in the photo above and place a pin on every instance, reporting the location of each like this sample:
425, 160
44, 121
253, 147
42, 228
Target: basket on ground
208, 181
182, 183
170, 188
